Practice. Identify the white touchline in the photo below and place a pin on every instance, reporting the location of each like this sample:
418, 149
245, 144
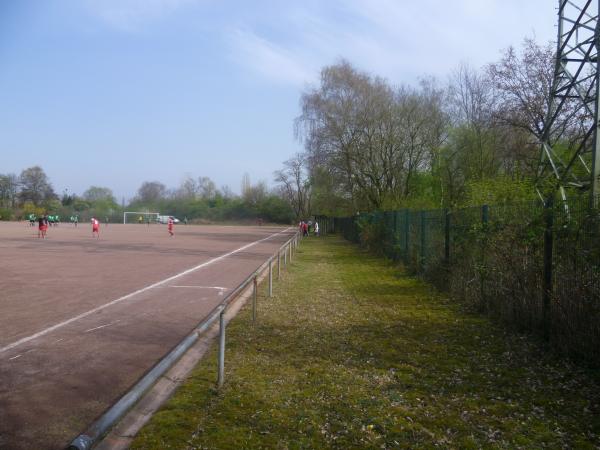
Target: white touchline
132, 294
202, 287
102, 326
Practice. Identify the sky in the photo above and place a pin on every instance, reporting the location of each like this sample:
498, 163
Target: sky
113, 93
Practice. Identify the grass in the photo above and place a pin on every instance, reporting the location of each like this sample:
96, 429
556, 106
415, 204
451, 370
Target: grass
351, 353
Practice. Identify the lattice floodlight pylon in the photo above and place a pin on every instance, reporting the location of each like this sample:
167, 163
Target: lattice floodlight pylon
573, 163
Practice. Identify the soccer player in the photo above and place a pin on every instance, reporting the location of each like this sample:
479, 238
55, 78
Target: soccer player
42, 226
170, 225
95, 227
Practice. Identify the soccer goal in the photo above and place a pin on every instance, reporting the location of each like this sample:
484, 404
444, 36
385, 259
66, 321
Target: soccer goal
140, 217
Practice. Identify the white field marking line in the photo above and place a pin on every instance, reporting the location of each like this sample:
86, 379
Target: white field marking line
24, 353
102, 326
132, 294
201, 287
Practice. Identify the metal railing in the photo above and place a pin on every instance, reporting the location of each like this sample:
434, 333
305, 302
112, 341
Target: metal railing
101, 426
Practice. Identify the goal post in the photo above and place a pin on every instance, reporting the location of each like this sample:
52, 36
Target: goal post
140, 217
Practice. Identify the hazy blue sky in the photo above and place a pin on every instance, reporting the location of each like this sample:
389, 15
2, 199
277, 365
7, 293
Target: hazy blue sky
117, 92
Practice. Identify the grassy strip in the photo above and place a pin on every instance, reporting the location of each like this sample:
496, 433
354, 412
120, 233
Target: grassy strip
351, 355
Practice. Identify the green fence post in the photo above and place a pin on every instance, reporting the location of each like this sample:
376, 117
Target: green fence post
423, 240
395, 240
447, 236
548, 249
485, 217
406, 235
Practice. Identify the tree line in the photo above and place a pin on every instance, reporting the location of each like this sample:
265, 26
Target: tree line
371, 145
31, 192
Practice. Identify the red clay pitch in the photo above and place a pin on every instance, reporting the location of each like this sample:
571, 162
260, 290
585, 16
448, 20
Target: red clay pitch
72, 338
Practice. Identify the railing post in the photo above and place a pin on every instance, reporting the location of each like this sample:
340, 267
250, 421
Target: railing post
271, 278
254, 295
285, 256
221, 375
278, 265
291, 246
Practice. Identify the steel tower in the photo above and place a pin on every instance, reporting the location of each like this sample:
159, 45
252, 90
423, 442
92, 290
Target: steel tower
572, 166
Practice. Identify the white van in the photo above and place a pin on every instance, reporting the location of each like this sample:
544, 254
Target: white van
165, 219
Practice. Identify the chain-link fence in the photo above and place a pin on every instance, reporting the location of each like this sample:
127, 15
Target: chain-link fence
534, 266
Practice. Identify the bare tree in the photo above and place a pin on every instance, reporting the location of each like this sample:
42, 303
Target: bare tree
35, 186
523, 81
474, 145
96, 193
207, 188
422, 128
226, 192
295, 184
9, 187
188, 189
471, 99
246, 184
151, 192
255, 194
369, 136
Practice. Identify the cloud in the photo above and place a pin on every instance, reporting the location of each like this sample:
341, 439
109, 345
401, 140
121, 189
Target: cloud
289, 42
131, 15
268, 59
292, 43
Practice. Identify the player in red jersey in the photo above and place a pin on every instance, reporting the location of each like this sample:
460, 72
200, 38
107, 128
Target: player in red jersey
95, 227
170, 225
43, 226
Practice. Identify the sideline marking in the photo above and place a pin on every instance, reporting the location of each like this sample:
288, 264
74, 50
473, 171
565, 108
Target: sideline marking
201, 287
102, 326
134, 293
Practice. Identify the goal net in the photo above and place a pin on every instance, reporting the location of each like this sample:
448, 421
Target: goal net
140, 217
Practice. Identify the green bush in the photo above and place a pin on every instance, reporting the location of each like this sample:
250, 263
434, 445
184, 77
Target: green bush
6, 214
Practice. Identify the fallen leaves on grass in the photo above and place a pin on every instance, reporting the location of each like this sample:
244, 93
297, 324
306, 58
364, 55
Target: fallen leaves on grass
350, 355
